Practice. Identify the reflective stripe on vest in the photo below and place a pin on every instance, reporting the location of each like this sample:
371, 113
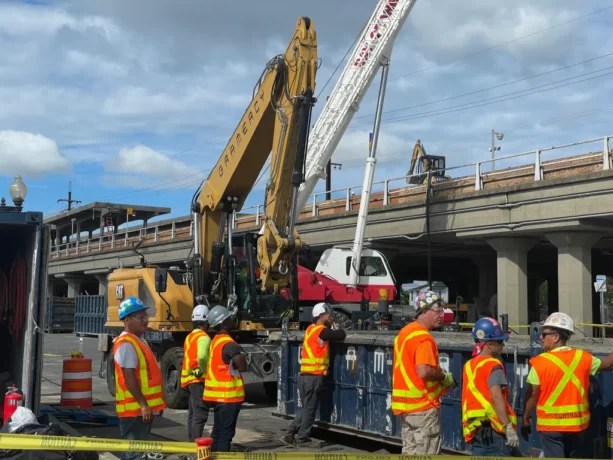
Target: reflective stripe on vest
190, 358
220, 385
315, 355
477, 403
412, 394
148, 376
565, 406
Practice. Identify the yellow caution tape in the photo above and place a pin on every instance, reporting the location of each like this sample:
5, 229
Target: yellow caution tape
42, 442
293, 455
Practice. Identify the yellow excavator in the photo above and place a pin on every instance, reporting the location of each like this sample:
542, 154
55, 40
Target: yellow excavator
249, 273
421, 163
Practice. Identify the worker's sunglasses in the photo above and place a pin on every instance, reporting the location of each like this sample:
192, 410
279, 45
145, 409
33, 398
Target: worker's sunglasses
545, 334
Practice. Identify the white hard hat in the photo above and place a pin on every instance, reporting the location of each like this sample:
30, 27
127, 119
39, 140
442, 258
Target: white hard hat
200, 312
320, 309
560, 321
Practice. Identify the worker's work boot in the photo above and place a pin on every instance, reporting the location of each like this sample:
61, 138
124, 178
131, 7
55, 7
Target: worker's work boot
288, 439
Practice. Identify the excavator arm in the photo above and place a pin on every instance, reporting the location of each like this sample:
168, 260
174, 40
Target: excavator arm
276, 120
418, 152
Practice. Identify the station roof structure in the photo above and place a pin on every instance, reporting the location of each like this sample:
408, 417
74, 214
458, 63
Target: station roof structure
100, 216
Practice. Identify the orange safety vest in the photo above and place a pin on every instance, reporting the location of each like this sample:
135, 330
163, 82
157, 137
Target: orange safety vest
190, 358
315, 355
564, 378
477, 403
148, 376
409, 392
219, 384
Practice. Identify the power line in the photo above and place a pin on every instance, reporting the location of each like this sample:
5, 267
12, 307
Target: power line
490, 87
531, 34
493, 100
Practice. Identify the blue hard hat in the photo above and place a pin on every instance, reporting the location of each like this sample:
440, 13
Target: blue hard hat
130, 305
488, 329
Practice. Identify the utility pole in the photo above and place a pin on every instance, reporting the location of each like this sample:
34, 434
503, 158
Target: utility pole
329, 167
69, 200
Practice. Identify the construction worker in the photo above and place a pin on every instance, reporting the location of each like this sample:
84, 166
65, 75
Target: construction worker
314, 363
224, 390
138, 380
195, 360
418, 382
558, 387
489, 423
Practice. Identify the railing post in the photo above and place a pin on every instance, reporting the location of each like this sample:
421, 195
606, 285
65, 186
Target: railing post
386, 192
538, 171
478, 183
314, 207
88, 243
100, 243
606, 156
191, 228
257, 215
125, 239
348, 200
156, 233
173, 230
113, 241
77, 247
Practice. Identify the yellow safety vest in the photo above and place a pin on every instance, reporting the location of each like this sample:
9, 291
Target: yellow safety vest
148, 376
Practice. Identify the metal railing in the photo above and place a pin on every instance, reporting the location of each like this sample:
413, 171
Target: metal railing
348, 197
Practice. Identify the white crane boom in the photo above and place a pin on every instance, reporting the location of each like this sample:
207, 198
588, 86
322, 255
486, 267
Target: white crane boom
373, 48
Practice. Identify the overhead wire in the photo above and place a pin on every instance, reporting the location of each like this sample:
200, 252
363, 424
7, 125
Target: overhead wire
470, 93
495, 99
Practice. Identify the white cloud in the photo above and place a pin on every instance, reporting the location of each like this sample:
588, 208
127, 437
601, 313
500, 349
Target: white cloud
30, 154
139, 165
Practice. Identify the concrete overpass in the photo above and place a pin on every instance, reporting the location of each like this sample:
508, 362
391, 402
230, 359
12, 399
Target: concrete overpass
505, 232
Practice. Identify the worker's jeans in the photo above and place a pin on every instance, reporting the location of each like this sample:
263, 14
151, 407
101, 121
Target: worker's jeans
310, 388
564, 445
133, 429
225, 417
197, 411
489, 443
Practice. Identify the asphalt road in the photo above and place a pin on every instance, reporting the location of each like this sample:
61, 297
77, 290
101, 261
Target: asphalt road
257, 430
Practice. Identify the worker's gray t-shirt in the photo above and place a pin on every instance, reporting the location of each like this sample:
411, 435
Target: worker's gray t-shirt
125, 355
497, 377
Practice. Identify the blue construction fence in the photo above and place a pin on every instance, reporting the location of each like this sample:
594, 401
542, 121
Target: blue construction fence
358, 396
89, 314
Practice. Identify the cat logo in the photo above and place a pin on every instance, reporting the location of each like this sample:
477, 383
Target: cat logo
119, 292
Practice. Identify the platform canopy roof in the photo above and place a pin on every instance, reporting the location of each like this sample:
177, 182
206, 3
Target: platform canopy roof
97, 215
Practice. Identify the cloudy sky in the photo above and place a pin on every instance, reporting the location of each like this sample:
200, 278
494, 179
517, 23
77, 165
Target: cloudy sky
134, 101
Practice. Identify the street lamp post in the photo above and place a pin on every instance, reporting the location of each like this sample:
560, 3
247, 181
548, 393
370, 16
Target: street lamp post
17, 191
493, 148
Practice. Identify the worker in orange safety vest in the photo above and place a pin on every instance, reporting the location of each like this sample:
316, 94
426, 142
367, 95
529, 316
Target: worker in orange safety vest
558, 387
489, 424
418, 382
195, 361
224, 389
314, 363
138, 380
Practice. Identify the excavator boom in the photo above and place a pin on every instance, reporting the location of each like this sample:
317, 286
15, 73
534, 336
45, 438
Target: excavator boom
276, 120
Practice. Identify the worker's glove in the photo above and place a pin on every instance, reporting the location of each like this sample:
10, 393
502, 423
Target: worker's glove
511, 435
449, 381
197, 372
526, 429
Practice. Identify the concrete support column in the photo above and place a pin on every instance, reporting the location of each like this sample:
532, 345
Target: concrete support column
512, 280
575, 289
74, 287
487, 280
103, 284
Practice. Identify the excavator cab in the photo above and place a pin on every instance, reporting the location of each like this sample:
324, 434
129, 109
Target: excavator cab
421, 163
